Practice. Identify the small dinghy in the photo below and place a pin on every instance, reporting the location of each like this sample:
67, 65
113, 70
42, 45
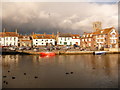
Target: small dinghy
99, 52
47, 54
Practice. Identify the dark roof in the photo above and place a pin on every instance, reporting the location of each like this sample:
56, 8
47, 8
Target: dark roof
65, 35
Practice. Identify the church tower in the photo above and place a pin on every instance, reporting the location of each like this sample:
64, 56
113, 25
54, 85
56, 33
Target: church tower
97, 26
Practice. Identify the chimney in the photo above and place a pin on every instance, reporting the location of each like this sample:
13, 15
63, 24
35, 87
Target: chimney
33, 33
58, 33
53, 34
44, 33
16, 31
4, 30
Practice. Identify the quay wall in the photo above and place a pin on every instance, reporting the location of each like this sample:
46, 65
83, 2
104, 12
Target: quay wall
56, 52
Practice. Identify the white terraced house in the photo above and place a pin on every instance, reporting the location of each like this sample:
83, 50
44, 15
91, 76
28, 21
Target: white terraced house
64, 39
8, 38
43, 39
68, 39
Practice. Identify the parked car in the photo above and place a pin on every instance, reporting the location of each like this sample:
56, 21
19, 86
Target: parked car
22, 48
28, 48
75, 46
36, 49
67, 47
57, 48
12, 48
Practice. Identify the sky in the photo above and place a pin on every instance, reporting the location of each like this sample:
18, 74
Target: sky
74, 17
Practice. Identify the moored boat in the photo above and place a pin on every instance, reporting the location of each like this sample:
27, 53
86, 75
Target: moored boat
47, 54
99, 52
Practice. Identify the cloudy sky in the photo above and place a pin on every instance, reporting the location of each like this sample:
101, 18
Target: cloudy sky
74, 17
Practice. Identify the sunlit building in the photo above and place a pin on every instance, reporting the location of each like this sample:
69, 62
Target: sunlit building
25, 40
68, 39
9, 38
43, 39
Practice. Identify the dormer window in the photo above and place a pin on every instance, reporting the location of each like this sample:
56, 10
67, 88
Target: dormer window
101, 31
90, 35
83, 35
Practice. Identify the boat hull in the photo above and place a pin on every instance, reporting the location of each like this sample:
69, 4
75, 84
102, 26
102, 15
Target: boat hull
99, 52
47, 54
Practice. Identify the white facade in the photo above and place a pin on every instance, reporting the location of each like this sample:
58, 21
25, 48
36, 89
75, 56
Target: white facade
8, 41
74, 41
42, 42
1, 41
64, 41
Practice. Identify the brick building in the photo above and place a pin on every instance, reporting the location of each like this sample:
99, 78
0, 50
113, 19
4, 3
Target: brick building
87, 40
106, 38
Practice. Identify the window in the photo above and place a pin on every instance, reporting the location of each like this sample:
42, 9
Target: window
114, 41
60, 42
7, 43
101, 31
0, 39
83, 40
61, 38
36, 43
89, 44
51, 40
65, 39
36, 40
42, 39
14, 38
65, 43
113, 36
6, 38
42, 43
101, 40
111, 41
89, 39
90, 35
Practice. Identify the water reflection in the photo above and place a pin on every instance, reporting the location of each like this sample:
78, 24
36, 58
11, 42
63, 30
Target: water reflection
9, 60
89, 70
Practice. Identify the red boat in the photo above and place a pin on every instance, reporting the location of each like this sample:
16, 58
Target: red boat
47, 54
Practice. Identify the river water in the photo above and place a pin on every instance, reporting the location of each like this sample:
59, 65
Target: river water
61, 71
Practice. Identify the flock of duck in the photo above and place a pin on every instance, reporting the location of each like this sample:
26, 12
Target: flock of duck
13, 77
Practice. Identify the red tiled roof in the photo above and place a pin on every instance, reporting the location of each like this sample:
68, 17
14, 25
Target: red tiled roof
8, 34
75, 36
43, 36
26, 40
103, 31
